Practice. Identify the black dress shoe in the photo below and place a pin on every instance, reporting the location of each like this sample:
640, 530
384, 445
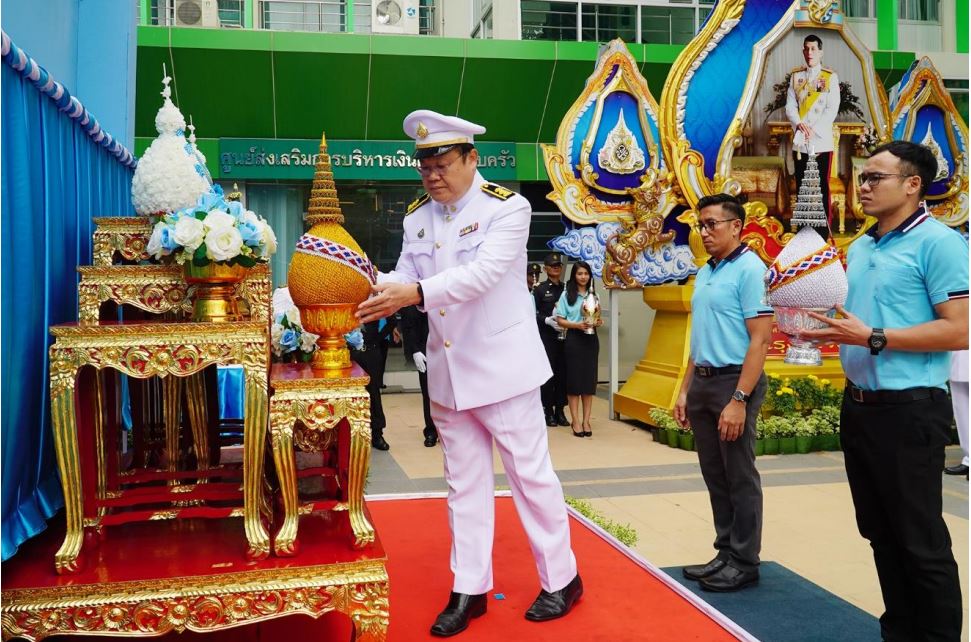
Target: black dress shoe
430, 441
460, 609
699, 571
380, 443
728, 579
960, 469
561, 419
549, 606
550, 419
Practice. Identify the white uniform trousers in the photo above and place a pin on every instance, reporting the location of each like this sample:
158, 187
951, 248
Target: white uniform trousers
959, 398
519, 429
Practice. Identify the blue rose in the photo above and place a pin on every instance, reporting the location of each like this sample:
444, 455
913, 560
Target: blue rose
289, 340
168, 238
355, 339
235, 208
251, 232
211, 201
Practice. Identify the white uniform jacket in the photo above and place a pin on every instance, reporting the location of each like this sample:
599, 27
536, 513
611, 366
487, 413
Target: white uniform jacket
470, 257
813, 98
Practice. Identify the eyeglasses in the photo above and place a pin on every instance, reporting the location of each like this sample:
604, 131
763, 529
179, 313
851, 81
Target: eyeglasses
873, 179
710, 225
438, 170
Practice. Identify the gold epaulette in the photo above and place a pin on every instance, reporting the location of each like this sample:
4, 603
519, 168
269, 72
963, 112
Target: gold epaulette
418, 202
497, 191
799, 68
826, 70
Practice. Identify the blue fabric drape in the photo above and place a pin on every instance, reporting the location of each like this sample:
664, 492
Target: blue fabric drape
282, 207
55, 179
232, 392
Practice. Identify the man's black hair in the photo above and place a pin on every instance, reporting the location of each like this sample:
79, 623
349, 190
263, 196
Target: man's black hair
915, 160
814, 38
729, 203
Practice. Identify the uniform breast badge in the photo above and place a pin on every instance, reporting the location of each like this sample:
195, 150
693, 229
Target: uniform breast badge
421, 233
468, 229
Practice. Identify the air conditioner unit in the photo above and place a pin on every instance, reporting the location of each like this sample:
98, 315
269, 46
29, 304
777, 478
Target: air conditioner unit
394, 16
196, 13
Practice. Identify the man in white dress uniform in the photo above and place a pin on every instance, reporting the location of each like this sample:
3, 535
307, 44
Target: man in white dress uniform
462, 261
812, 104
959, 399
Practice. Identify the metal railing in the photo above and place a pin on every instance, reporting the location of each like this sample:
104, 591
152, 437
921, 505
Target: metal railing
322, 16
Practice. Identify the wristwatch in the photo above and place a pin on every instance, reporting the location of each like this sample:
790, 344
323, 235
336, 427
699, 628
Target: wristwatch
738, 395
877, 341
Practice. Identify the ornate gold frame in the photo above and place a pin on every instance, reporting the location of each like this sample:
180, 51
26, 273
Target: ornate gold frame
127, 235
319, 404
360, 590
144, 350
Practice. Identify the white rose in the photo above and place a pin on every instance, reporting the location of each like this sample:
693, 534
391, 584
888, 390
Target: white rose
223, 243
269, 240
308, 341
190, 232
281, 300
217, 219
155, 241
276, 331
250, 217
293, 315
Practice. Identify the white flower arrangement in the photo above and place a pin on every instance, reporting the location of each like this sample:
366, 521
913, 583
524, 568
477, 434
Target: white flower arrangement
213, 230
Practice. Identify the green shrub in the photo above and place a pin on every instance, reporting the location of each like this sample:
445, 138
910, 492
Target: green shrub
624, 533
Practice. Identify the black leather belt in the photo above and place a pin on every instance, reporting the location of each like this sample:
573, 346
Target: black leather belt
708, 371
859, 395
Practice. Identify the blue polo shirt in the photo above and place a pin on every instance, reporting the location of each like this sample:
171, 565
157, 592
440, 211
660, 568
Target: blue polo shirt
895, 282
726, 294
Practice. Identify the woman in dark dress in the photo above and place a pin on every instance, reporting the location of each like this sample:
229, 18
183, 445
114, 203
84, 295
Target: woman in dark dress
581, 349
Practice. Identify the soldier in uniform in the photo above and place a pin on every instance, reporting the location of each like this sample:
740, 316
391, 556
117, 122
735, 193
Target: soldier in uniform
812, 105
546, 295
462, 260
532, 276
414, 336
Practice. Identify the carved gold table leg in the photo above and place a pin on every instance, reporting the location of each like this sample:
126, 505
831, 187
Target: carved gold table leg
281, 436
369, 611
195, 390
359, 417
254, 438
64, 424
171, 415
100, 440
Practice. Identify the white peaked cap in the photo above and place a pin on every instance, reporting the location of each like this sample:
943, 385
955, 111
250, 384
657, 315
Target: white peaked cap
435, 133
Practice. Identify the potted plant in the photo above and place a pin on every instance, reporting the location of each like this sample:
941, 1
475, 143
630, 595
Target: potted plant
804, 431
771, 436
215, 242
686, 438
827, 421
662, 419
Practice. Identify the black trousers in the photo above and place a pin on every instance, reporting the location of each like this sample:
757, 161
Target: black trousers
894, 455
823, 159
728, 467
429, 430
553, 392
372, 361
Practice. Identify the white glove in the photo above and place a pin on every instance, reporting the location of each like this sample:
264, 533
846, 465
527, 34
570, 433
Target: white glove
420, 361
551, 321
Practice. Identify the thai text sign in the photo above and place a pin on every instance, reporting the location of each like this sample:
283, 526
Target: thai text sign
279, 158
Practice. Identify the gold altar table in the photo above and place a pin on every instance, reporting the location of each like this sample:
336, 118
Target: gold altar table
315, 413
142, 350
125, 235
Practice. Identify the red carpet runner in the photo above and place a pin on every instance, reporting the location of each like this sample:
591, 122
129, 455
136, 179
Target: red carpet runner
621, 603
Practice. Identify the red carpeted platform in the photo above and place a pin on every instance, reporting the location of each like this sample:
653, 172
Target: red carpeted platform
623, 599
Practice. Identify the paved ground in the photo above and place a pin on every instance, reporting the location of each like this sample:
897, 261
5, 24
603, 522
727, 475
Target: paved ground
809, 525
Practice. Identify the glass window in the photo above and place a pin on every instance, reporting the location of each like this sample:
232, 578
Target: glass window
426, 17
667, 26
230, 13
920, 10
604, 22
310, 15
549, 20
857, 9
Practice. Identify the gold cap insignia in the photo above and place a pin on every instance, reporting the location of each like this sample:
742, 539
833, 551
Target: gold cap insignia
422, 131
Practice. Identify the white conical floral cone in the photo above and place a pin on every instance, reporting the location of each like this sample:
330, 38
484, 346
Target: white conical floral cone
169, 175
809, 203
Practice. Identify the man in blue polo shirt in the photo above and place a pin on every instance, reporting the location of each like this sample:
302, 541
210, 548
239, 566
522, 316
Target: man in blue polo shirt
907, 307
723, 389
